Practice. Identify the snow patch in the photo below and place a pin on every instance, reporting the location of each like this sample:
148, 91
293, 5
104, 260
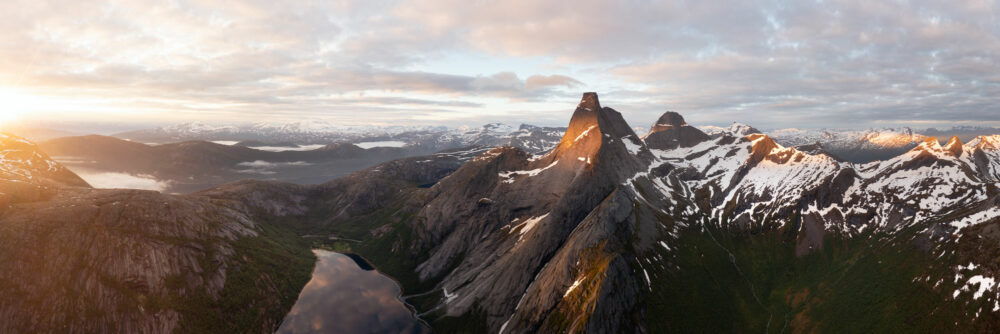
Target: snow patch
288, 148
448, 297
508, 177
630, 145
584, 133
572, 287
976, 218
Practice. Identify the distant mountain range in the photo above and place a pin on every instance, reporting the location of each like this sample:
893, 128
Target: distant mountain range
196, 164
674, 230
427, 138
846, 144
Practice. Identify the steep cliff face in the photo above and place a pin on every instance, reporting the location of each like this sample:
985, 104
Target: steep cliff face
492, 225
87, 260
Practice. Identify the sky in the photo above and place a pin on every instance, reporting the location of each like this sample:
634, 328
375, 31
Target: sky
772, 64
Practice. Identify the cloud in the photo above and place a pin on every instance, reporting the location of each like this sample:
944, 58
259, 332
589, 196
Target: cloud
112, 180
806, 64
266, 167
541, 81
268, 164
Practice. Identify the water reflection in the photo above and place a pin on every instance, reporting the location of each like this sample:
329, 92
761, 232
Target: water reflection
346, 296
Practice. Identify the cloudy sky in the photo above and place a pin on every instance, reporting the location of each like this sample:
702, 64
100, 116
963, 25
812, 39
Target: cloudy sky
809, 64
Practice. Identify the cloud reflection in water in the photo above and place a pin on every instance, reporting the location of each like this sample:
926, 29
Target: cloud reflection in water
341, 297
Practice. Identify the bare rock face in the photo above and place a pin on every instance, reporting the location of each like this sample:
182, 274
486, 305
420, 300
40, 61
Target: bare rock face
96, 251
487, 256
84, 260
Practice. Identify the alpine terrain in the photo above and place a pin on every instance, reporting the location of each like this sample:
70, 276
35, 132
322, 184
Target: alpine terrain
674, 230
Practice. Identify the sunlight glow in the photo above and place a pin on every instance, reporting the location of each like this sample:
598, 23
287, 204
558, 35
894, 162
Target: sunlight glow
13, 104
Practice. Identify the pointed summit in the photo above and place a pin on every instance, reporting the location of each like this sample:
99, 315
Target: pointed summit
590, 123
954, 146
589, 102
930, 143
671, 131
598, 135
584, 118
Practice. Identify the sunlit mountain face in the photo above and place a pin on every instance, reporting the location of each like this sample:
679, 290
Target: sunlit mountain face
448, 166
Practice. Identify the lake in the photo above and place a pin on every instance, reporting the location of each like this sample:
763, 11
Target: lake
346, 295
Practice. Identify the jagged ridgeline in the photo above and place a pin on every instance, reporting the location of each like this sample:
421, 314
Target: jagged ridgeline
680, 231
671, 231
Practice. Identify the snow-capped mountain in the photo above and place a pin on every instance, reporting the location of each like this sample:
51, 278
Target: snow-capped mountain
850, 145
429, 138
301, 132
736, 129
965, 133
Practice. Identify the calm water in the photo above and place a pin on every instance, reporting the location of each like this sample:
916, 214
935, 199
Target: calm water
346, 295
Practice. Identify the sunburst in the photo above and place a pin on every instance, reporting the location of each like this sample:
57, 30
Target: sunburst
13, 104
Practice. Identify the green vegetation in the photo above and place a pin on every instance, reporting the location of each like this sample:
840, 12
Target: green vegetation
472, 322
733, 281
263, 281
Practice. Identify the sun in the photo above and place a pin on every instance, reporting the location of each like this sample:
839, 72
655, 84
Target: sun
13, 104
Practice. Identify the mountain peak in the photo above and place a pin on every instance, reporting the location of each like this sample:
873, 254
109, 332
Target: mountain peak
589, 102
931, 143
671, 131
669, 120
954, 146
743, 130
583, 121
986, 142
595, 132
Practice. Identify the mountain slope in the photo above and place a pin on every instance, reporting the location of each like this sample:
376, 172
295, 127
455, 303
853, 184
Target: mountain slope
28, 174
89, 260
